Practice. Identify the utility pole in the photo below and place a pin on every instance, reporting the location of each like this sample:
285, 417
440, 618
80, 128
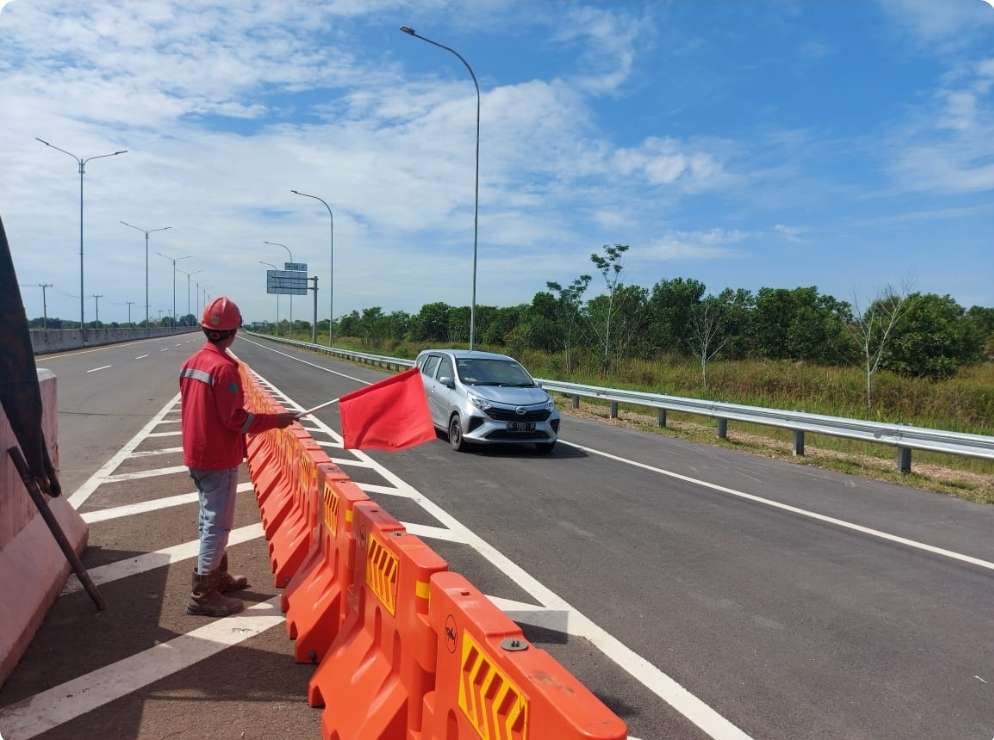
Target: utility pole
130, 304
44, 301
314, 326
96, 308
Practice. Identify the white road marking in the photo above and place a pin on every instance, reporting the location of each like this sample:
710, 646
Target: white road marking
170, 421
665, 687
533, 614
388, 490
336, 445
158, 559
793, 509
142, 357
116, 512
153, 473
431, 533
333, 372
97, 369
60, 704
344, 461
82, 493
180, 344
980, 679
165, 434
73, 353
164, 349
151, 453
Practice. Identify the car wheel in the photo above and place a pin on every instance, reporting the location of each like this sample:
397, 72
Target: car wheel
544, 448
455, 434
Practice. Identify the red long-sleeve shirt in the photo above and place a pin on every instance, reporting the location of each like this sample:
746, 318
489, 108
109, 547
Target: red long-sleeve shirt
214, 418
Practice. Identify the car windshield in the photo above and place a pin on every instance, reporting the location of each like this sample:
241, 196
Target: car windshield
492, 372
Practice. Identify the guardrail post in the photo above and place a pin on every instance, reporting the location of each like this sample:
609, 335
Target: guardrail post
661, 417
904, 459
614, 409
799, 442
575, 401
722, 428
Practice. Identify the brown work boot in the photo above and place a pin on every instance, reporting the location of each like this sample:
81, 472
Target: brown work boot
228, 582
207, 601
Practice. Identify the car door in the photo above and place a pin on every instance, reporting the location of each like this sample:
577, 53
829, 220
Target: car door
443, 394
430, 384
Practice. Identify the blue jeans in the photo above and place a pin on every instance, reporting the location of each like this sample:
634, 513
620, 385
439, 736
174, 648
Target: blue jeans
217, 514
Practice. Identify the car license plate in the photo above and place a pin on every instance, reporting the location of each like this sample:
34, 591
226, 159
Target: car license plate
520, 426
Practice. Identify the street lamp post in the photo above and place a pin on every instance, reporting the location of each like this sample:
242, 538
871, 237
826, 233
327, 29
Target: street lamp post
81, 161
278, 244
174, 260
96, 309
146, 232
331, 277
270, 264
188, 274
476, 209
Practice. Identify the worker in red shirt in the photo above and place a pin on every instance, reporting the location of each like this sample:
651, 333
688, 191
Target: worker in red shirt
215, 422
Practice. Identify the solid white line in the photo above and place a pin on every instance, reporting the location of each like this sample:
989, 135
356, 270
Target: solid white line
659, 683
153, 473
157, 559
165, 434
336, 445
432, 533
142, 357
793, 509
60, 704
150, 453
89, 486
333, 372
102, 367
116, 512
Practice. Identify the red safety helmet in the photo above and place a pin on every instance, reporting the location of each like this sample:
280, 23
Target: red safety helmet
221, 314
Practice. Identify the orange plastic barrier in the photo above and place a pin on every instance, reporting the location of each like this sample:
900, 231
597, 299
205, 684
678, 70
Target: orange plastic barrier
282, 498
315, 598
374, 677
491, 683
292, 540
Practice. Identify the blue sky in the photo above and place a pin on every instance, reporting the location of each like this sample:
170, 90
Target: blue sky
777, 142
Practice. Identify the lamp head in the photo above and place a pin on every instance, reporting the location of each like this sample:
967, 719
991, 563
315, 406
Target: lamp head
408, 30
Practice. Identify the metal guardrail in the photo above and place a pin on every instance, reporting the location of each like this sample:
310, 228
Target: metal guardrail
904, 438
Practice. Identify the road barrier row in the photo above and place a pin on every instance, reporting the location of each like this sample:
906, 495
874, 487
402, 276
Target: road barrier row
404, 648
902, 437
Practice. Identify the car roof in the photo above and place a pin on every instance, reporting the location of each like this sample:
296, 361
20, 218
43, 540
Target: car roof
466, 353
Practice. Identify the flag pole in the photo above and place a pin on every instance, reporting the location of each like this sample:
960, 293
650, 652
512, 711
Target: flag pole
320, 406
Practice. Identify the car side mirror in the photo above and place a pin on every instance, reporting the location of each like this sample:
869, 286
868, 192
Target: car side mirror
447, 381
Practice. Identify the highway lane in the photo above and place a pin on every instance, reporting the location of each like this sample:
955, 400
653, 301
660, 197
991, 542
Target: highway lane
787, 626
107, 393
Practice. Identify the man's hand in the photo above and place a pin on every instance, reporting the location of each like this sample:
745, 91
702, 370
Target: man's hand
285, 419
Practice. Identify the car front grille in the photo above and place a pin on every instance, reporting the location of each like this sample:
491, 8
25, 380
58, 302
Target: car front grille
509, 435
512, 415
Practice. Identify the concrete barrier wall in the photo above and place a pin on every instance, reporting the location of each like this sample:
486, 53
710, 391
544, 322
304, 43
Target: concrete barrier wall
32, 567
57, 340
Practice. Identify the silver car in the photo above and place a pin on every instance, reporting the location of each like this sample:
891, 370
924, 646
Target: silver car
485, 398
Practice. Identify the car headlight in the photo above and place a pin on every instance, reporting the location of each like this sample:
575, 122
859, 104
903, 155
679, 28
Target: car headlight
550, 404
480, 403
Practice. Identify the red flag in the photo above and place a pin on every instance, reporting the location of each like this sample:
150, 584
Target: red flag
389, 415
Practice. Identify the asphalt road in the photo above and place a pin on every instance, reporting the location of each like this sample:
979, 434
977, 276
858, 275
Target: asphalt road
783, 624
788, 626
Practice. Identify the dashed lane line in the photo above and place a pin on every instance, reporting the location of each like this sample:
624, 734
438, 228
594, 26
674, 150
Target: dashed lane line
82, 493
164, 349
142, 357
792, 509
60, 704
98, 369
158, 559
662, 685
116, 512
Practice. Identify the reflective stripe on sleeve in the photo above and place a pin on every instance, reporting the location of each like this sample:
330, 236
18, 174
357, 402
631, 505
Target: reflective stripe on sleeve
193, 374
248, 423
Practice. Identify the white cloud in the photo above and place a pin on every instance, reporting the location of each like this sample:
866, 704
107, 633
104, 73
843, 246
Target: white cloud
670, 162
947, 21
610, 39
790, 233
708, 244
